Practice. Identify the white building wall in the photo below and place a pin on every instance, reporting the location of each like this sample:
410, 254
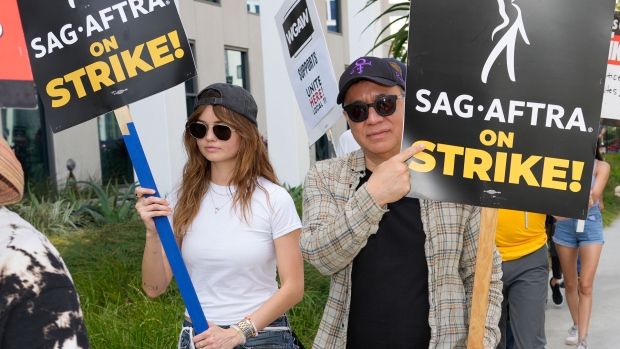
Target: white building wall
160, 121
80, 143
361, 40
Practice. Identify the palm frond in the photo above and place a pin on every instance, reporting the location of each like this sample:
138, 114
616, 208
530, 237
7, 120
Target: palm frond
397, 40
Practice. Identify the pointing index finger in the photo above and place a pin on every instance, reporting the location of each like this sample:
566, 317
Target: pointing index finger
409, 152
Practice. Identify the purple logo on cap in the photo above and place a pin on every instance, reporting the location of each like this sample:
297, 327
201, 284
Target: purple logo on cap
359, 66
400, 77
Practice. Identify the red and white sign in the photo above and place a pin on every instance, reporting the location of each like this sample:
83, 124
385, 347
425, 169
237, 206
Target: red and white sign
16, 82
610, 111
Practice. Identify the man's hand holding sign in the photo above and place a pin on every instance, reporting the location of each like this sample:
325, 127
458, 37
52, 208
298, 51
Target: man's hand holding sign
390, 181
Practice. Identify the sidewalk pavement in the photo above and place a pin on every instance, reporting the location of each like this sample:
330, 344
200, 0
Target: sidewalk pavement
604, 329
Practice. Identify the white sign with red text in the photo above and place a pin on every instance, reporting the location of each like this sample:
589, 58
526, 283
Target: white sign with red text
610, 111
309, 66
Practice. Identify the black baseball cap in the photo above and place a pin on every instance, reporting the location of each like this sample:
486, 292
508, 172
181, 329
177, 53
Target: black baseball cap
233, 97
375, 69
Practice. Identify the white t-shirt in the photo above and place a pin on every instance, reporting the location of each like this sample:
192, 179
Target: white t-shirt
232, 264
346, 143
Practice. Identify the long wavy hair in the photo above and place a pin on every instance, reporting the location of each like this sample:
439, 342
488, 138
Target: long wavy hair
252, 163
598, 155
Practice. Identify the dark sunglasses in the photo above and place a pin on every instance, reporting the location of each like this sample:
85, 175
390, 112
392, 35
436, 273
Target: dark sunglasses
384, 106
199, 129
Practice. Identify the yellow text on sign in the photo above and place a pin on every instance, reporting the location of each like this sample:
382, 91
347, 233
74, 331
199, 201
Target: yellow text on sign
110, 72
477, 163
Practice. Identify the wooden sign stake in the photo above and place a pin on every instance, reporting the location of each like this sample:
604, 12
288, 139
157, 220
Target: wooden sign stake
482, 278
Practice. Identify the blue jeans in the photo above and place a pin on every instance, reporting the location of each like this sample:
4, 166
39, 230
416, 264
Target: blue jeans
566, 234
264, 340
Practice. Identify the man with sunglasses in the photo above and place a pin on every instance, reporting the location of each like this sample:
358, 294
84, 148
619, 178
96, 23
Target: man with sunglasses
414, 259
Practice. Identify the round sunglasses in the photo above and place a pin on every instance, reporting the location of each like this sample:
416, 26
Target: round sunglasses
384, 106
199, 129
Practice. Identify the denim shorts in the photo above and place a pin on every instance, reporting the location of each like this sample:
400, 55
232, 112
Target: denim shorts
566, 235
266, 339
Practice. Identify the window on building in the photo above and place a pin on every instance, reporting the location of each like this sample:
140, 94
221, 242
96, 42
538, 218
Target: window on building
253, 6
116, 164
24, 131
191, 86
237, 68
333, 15
213, 1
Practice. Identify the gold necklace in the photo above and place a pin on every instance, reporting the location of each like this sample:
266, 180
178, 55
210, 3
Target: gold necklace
217, 209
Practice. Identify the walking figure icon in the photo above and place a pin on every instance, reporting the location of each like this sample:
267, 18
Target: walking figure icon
508, 42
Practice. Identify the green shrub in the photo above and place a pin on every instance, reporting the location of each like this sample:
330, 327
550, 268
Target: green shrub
47, 216
114, 204
306, 315
297, 194
612, 204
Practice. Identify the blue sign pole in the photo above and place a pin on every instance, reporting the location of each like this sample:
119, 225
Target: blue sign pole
134, 147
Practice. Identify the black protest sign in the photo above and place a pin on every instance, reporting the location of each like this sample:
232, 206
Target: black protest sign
507, 97
90, 57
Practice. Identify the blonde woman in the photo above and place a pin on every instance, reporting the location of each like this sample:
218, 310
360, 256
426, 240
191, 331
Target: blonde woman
234, 224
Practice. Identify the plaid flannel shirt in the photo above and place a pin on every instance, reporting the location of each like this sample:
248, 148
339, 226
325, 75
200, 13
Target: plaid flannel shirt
337, 221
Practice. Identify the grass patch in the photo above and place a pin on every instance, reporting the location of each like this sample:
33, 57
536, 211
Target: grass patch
106, 267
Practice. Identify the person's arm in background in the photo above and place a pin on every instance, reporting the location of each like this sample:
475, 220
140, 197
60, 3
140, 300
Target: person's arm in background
602, 175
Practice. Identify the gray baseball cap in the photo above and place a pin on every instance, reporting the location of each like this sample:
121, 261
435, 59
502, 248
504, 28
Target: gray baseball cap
233, 97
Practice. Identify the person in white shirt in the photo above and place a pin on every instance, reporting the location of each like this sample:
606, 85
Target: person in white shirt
346, 143
234, 225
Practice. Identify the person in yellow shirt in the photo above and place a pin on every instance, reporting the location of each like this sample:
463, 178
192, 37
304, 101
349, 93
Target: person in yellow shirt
521, 239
